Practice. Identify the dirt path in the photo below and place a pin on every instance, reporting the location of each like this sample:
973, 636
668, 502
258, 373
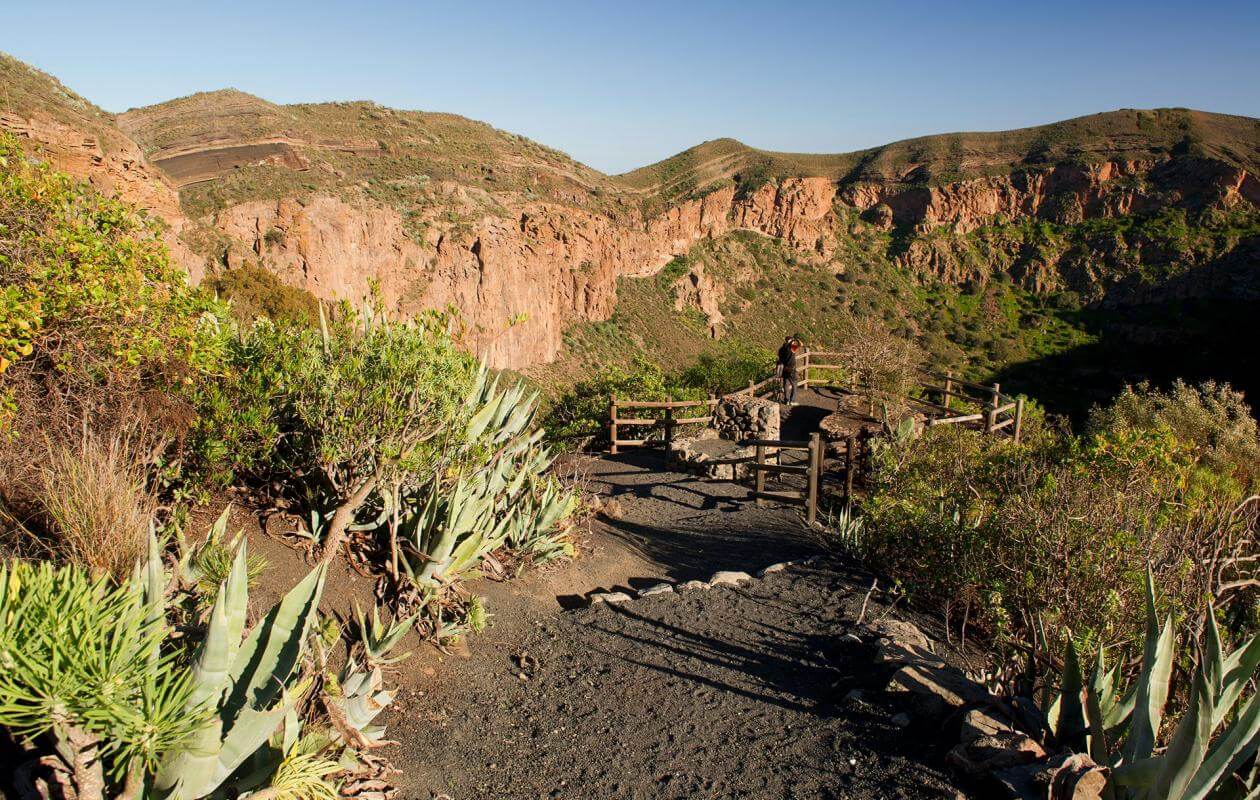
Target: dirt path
739, 693
719, 693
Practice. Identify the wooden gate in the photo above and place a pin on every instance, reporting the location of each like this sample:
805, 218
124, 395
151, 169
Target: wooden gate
811, 469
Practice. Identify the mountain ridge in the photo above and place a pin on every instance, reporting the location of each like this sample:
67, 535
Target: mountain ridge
435, 210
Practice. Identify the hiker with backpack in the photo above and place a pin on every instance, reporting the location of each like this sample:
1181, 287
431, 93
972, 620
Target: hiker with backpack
787, 367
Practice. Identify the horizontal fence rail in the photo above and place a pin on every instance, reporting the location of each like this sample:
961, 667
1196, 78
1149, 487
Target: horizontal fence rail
956, 402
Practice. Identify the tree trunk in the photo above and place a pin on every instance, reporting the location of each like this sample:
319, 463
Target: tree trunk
89, 773
134, 786
343, 516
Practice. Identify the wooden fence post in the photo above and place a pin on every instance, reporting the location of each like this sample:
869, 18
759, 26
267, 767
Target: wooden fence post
850, 466
805, 370
949, 387
815, 468
997, 395
990, 419
759, 475
1019, 417
669, 429
612, 424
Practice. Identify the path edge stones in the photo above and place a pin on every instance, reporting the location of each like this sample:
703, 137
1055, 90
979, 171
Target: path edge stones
727, 578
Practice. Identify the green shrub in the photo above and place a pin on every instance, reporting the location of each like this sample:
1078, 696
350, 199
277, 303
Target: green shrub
1052, 536
584, 409
97, 326
671, 272
339, 411
1211, 418
88, 286
254, 292
733, 367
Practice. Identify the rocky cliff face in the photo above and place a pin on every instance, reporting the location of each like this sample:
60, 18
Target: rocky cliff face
517, 279
439, 211
545, 265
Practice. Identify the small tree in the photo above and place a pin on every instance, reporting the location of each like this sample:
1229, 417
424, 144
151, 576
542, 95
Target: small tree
357, 403
879, 361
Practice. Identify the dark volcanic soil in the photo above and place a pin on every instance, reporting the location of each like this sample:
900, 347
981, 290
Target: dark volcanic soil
719, 693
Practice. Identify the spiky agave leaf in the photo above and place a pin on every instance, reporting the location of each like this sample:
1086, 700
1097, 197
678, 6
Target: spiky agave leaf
1070, 730
249, 684
362, 699
378, 638
1099, 698
1185, 752
1228, 754
1151, 689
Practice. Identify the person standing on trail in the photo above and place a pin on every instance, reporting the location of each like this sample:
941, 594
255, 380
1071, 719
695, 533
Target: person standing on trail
787, 367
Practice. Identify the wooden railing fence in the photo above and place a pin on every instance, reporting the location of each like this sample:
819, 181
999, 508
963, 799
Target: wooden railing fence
670, 421
811, 469
958, 402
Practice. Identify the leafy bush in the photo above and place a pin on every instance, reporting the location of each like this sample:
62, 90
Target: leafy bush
584, 409
254, 292
1212, 418
341, 411
1028, 542
733, 367
97, 325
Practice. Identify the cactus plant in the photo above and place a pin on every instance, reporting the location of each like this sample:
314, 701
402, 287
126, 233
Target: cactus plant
1204, 757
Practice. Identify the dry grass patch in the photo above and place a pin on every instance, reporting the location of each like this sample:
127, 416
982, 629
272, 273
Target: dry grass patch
96, 504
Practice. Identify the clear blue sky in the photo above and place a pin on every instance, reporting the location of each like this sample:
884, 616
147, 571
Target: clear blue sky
622, 84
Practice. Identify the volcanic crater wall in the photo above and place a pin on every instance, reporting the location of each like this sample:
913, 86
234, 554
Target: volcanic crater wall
552, 265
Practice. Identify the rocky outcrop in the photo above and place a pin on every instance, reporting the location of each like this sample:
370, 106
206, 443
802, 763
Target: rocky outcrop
796, 210
524, 242
521, 275
1066, 193
697, 290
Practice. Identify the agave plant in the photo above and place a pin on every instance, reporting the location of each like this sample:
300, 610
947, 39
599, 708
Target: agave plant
447, 536
844, 531
537, 527
378, 639
354, 700
250, 684
1217, 736
498, 495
